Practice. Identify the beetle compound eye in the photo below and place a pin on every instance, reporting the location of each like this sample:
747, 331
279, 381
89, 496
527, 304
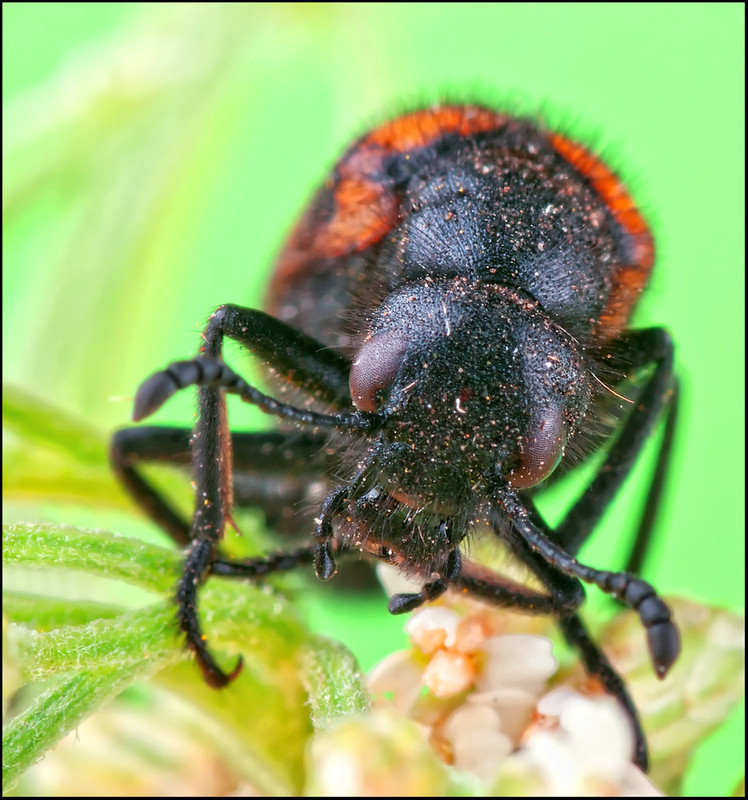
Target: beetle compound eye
375, 367
540, 449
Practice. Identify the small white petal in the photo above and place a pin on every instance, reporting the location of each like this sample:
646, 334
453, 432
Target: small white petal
520, 660
421, 626
448, 673
399, 674
481, 752
584, 746
472, 631
550, 754
469, 718
600, 733
477, 743
514, 706
552, 703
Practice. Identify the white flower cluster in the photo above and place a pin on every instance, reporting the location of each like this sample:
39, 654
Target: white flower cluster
482, 700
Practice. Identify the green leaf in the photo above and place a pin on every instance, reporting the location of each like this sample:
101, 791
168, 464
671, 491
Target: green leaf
148, 566
333, 680
57, 711
47, 613
82, 663
39, 423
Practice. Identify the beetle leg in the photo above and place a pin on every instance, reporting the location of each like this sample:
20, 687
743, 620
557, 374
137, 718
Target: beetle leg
250, 568
596, 663
643, 536
317, 370
196, 569
402, 603
642, 348
566, 594
324, 563
130, 446
662, 634
272, 470
300, 360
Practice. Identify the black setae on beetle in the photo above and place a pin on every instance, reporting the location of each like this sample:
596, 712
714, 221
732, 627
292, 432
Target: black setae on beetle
447, 320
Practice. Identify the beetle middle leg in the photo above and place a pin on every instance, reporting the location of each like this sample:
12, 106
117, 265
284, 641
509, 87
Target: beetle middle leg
273, 471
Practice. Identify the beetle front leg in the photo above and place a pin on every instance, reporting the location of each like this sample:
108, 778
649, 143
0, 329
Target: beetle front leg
314, 369
196, 569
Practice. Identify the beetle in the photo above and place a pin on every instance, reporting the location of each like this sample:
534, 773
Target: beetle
447, 323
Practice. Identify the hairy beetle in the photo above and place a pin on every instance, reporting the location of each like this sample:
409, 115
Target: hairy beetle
447, 323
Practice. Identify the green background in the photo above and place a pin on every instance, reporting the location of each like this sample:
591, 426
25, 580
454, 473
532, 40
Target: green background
157, 154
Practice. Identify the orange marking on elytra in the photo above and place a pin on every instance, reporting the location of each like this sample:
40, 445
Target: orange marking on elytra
629, 279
